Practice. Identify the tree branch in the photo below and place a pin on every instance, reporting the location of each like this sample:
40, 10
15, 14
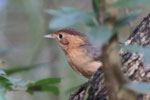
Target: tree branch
131, 64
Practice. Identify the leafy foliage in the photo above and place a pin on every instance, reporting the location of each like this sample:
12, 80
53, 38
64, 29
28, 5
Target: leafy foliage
17, 69
98, 33
41, 85
69, 17
44, 85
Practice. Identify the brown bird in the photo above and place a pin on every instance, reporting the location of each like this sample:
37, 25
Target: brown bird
82, 56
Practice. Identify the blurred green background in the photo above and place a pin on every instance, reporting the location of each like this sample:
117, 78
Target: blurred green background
22, 26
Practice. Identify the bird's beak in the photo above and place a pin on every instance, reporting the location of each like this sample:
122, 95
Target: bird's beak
50, 36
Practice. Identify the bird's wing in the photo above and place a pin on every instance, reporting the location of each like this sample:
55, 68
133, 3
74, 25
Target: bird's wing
92, 52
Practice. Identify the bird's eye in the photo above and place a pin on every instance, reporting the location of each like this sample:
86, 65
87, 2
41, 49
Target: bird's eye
61, 36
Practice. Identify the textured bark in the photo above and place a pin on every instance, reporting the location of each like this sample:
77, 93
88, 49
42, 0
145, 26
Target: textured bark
132, 66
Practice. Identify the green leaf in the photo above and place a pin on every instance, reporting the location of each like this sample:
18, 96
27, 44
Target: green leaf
69, 17
16, 70
42, 88
141, 87
2, 72
17, 81
54, 12
8, 81
100, 33
59, 13
48, 81
68, 9
52, 89
129, 3
44, 85
29, 91
5, 83
33, 88
126, 20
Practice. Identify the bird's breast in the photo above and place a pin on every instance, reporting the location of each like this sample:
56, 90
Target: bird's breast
81, 63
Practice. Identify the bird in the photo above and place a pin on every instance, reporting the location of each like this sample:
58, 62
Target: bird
81, 54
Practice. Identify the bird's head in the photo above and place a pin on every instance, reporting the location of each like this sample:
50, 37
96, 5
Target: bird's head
69, 38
